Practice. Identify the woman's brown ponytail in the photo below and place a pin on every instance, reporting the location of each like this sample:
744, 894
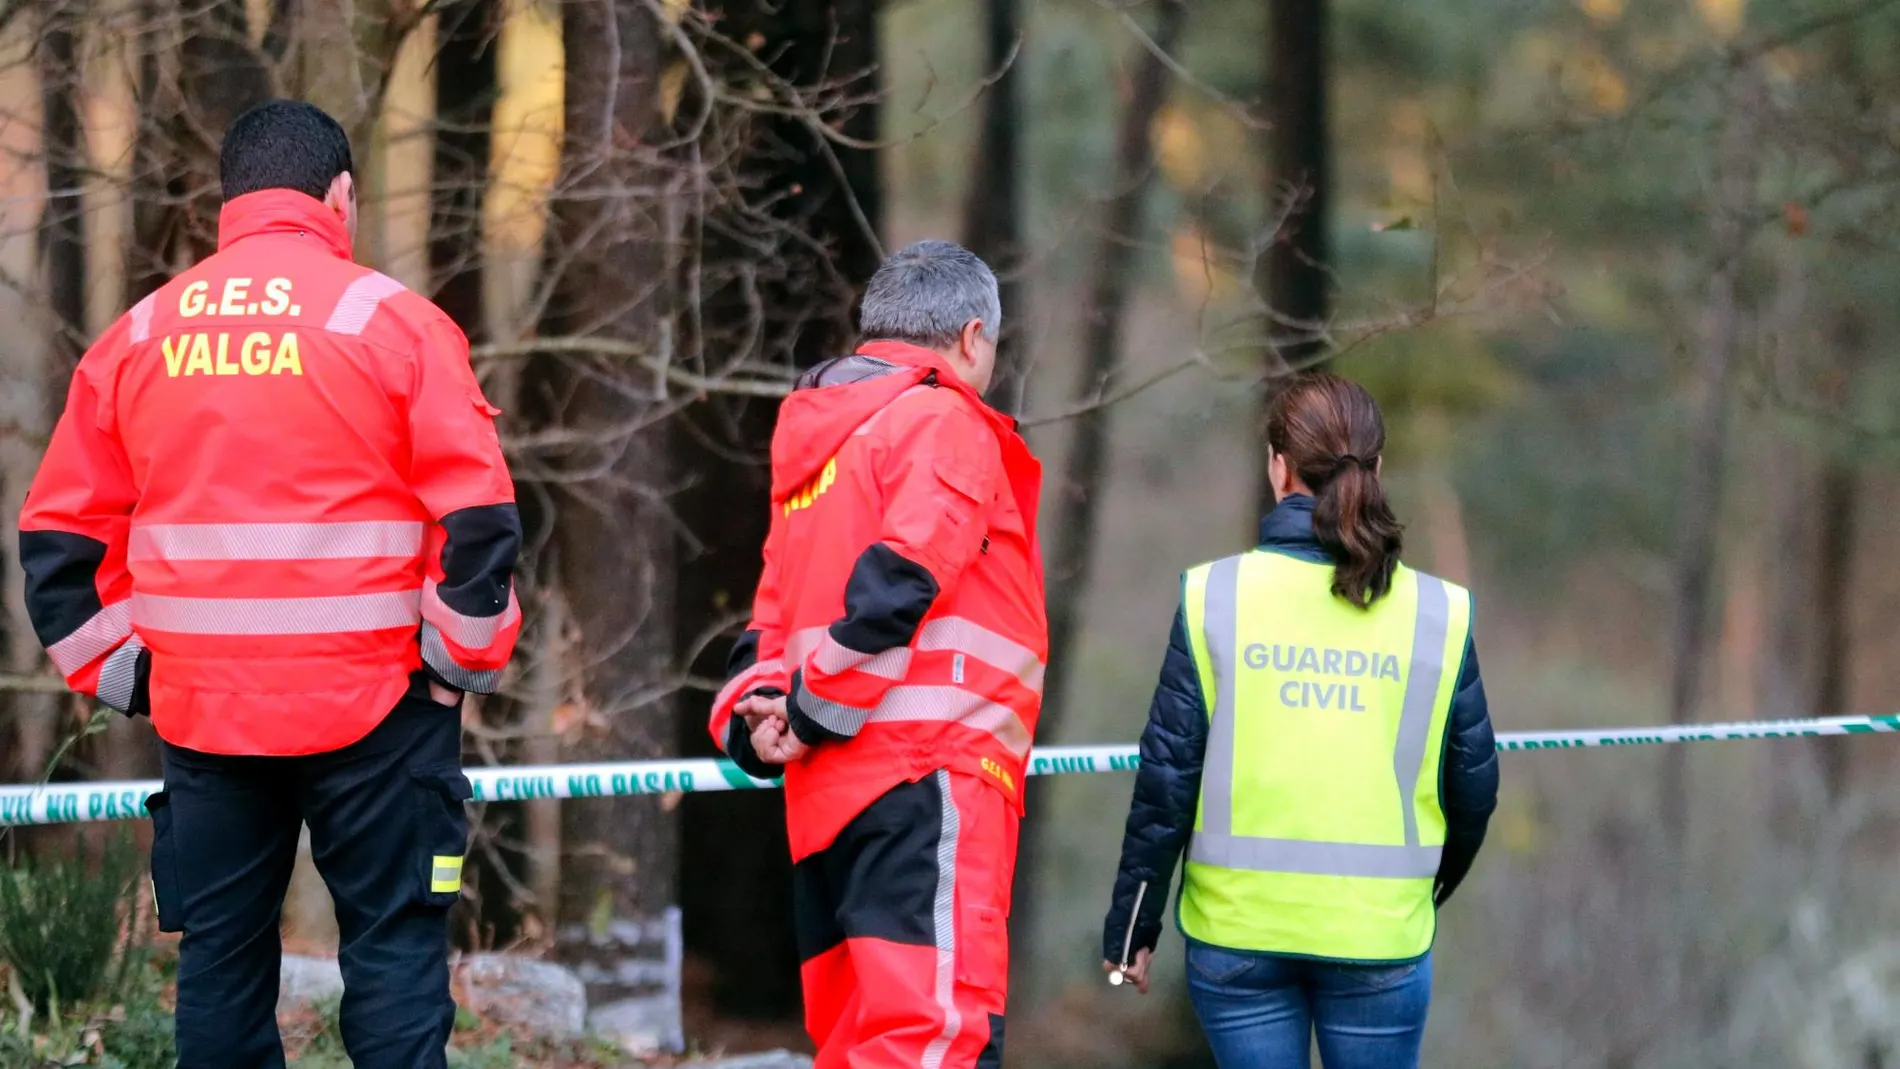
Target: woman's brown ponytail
1331, 434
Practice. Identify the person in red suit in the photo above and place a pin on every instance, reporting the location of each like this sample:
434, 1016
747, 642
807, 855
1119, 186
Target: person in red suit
894, 667
275, 517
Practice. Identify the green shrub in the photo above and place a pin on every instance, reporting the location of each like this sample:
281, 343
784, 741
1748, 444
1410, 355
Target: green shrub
135, 1034
497, 1053
319, 1044
139, 1035
61, 919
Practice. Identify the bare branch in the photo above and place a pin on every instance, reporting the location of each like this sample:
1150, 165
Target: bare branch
637, 353
20, 684
1233, 107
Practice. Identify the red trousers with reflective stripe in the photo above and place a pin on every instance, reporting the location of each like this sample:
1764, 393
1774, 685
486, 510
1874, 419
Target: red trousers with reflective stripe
902, 929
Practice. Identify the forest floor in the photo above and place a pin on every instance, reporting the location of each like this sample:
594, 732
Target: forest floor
134, 1032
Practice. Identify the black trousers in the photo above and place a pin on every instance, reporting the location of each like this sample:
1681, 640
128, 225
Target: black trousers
387, 831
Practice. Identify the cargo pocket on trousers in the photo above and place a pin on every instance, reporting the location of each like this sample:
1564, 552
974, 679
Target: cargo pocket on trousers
165, 901
441, 833
983, 950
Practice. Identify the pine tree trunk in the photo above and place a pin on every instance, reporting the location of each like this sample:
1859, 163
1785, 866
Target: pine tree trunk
465, 91
197, 71
1700, 500
735, 852
1085, 469
220, 76
610, 543
1292, 277
62, 219
993, 205
61, 252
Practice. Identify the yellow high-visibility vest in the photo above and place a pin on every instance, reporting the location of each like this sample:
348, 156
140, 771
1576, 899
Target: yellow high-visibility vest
1320, 827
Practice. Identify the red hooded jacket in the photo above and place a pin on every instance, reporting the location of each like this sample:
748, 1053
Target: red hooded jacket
275, 492
901, 605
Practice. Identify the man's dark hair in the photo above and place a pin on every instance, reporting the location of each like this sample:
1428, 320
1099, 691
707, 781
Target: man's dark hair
283, 144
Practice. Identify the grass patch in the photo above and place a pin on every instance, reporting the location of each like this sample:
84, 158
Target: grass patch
314, 1040
82, 985
61, 924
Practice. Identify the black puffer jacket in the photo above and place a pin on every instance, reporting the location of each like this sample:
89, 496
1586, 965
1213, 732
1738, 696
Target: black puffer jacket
1168, 785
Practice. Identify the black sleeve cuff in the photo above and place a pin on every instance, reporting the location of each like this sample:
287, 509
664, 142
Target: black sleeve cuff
1461, 851
809, 731
478, 558
1148, 925
739, 748
433, 676
141, 704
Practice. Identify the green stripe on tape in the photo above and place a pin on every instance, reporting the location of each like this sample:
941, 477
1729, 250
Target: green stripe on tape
61, 803
738, 780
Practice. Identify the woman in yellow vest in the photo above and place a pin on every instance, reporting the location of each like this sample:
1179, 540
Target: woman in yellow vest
1320, 749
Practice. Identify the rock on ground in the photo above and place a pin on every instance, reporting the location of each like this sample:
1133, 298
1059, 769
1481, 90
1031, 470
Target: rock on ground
535, 996
304, 980
777, 1059
639, 1026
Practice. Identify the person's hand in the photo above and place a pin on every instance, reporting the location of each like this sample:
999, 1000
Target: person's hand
775, 743
1137, 972
442, 695
760, 707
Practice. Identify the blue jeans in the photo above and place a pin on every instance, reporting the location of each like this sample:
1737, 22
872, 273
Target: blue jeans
1260, 1011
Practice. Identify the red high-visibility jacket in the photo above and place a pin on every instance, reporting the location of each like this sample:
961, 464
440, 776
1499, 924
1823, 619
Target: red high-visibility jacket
901, 606
276, 492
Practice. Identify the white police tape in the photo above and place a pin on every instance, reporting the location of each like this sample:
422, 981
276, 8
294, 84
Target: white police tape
62, 803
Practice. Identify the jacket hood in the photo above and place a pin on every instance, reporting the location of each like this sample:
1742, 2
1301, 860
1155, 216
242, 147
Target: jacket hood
282, 211
834, 399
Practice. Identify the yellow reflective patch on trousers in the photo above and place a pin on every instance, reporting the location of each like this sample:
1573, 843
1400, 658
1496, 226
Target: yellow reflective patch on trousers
446, 874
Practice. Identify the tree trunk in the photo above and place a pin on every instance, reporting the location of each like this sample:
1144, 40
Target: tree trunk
466, 85
156, 186
993, 205
465, 91
32, 717
197, 71
1839, 505
220, 76
1107, 306
610, 542
541, 818
1293, 277
1085, 466
1700, 502
62, 220
1792, 630
803, 299
1834, 511
61, 251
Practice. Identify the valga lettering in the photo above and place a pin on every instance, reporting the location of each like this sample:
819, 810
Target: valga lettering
226, 353
807, 494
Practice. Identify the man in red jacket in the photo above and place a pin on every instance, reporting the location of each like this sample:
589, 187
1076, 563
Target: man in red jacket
275, 517
894, 667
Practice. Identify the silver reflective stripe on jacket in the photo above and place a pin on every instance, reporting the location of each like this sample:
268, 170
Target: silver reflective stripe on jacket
352, 540
278, 616
1216, 844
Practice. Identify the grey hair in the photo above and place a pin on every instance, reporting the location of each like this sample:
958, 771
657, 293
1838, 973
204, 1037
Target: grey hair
924, 293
